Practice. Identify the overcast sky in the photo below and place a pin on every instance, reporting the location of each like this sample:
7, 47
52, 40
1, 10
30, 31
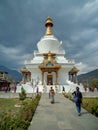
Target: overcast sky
75, 24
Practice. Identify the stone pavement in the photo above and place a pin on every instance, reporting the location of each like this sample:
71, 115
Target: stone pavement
61, 116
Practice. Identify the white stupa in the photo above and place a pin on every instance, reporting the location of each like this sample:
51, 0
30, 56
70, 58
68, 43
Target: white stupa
49, 66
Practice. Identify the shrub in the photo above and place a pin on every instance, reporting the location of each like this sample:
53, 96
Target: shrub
5, 123
68, 95
19, 124
22, 120
94, 110
91, 105
22, 95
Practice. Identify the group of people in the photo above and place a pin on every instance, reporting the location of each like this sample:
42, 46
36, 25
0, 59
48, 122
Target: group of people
8, 88
77, 98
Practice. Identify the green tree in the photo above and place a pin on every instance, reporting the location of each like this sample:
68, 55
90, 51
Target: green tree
94, 83
22, 95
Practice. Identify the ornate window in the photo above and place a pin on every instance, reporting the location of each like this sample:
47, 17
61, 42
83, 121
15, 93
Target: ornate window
49, 64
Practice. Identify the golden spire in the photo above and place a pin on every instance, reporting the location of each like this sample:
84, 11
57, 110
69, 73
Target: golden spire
49, 25
49, 56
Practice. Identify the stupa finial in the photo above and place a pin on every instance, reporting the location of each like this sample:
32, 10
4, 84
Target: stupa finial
49, 25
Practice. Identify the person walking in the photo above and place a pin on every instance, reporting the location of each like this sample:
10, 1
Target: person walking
15, 88
37, 90
63, 90
49, 93
52, 93
78, 100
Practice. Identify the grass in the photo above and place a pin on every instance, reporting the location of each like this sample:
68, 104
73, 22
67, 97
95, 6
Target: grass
17, 118
8, 105
88, 103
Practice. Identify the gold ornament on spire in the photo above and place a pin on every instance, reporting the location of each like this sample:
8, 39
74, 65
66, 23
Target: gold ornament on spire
49, 25
49, 56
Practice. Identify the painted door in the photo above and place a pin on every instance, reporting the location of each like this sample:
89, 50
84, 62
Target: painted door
49, 80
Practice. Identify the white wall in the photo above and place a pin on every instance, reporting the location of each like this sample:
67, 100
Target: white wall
62, 76
36, 73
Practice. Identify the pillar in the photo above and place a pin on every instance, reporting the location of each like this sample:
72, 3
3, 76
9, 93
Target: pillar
72, 78
56, 77
76, 78
23, 77
29, 76
42, 78
69, 77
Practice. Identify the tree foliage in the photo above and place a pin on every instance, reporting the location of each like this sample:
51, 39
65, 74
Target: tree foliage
22, 95
94, 83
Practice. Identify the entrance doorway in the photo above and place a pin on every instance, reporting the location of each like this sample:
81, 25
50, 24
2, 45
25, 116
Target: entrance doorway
49, 80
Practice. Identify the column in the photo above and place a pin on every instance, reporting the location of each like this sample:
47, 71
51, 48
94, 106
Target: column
23, 77
56, 77
29, 76
42, 78
76, 78
72, 78
69, 77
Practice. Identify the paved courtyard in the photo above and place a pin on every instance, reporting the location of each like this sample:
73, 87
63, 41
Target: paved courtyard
61, 116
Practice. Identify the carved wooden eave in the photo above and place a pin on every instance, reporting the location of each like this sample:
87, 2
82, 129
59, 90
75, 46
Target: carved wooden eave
49, 63
49, 68
74, 70
24, 70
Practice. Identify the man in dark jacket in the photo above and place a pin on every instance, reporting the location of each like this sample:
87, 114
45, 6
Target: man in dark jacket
77, 94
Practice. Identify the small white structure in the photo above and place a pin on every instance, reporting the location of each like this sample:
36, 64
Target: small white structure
49, 66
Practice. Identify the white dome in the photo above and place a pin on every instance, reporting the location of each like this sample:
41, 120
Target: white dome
49, 43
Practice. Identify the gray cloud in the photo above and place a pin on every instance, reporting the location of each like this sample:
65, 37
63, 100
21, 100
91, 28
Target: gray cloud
75, 24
